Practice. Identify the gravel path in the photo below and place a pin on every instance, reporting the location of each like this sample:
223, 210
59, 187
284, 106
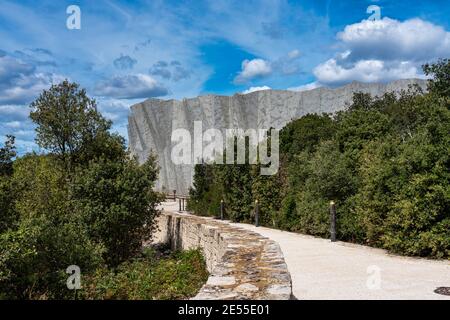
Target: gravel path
321, 269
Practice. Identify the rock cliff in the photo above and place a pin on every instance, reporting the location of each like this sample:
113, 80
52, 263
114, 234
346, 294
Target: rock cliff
151, 123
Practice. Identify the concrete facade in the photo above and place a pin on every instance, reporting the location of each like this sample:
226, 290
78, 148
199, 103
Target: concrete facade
151, 123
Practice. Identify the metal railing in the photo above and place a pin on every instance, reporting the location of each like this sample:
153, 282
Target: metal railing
182, 199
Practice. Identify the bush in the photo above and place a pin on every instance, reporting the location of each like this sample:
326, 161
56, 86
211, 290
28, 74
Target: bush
8, 215
177, 276
48, 236
118, 205
384, 161
34, 257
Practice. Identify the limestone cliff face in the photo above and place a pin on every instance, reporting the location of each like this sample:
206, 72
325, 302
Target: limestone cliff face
151, 122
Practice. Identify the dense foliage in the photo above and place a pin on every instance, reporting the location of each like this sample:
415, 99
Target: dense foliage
385, 161
178, 275
85, 203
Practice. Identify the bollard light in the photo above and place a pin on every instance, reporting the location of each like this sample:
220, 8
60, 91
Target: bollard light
256, 213
332, 221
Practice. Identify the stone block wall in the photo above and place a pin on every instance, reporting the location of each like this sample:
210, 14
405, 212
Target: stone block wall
242, 264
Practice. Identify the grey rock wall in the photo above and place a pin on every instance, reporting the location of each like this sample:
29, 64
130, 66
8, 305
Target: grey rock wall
151, 122
242, 264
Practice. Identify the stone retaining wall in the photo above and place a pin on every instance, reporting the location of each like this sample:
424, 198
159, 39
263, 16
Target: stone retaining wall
242, 264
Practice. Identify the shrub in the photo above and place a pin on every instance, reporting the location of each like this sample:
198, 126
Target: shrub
34, 257
384, 161
118, 205
177, 276
48, 236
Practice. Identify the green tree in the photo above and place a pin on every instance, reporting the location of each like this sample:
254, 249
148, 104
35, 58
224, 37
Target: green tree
305, 134
118, 205
47, 237
440, 83
7, 154
69, 125
384, 161
7, 197
207, 191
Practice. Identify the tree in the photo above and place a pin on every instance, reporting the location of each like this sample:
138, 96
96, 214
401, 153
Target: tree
384, 161
68, 122
7, 196
118, 205
440, 84
7, 153
305, 133
47, 235
206, 193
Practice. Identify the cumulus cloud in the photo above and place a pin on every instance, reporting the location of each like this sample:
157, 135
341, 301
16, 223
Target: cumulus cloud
260, 68
14, 120
389, 39
180, 74
115, 110
160, 69
124, 62
13, 113
253, 89
287, 64
173, 71
251, 69
136, 86
384, 50
366, 71
306, 87
21, 82
36, 57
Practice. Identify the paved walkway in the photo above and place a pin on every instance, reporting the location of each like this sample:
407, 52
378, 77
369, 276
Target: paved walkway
321, 269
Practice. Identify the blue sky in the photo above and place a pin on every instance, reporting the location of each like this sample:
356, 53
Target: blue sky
127, 51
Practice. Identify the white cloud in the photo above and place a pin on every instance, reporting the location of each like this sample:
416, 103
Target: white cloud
253, 89
115, 110
137, 86
9, 113
306, 87
384, 50
331, 72
20, 82
14, 120
251, 69
294, 54
389, 39
124, 62
13, 124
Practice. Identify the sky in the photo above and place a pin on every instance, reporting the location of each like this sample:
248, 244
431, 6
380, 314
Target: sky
124, 52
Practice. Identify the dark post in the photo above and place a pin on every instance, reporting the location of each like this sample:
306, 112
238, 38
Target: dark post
221, 209
183, 203
256, 213
333, 221
175, 195
179, 203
